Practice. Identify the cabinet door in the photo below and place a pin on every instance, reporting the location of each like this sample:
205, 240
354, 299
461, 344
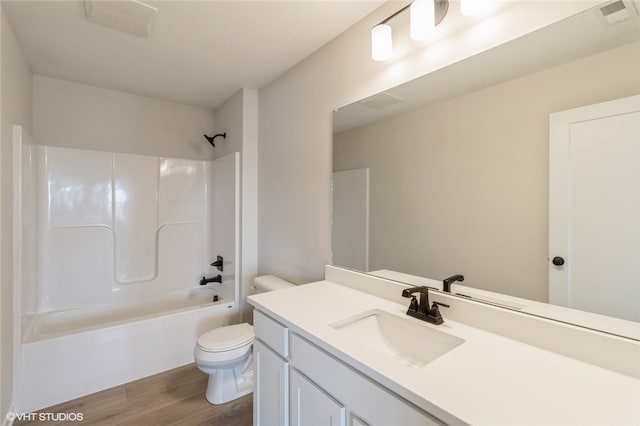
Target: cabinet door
310, 406
270, 397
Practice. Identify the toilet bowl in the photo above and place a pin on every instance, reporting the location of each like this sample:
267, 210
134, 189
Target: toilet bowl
226, 353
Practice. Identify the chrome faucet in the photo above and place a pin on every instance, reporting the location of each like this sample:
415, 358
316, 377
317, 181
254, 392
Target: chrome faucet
421, 310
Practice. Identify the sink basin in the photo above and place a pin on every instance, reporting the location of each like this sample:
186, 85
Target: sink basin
397, 338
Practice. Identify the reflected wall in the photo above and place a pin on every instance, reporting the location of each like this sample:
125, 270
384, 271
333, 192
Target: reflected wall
461, 185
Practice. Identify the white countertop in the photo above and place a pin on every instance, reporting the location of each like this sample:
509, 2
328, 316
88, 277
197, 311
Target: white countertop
488, 380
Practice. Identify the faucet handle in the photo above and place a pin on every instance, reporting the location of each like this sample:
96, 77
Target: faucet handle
413, 305
218, 263
434, 312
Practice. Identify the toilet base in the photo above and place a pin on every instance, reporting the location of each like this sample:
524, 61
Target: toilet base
227, 384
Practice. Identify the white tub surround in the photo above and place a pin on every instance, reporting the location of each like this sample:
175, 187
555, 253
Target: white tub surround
488, 379
110, 224
114, 247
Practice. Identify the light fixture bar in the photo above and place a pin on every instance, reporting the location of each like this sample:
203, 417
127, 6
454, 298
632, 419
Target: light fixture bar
441, 7
394, 15
421, 25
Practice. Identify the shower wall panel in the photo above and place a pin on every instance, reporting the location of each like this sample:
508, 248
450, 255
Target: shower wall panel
111, 222
135, 217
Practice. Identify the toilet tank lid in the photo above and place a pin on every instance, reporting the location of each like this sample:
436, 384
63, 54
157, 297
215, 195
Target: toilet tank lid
226, 338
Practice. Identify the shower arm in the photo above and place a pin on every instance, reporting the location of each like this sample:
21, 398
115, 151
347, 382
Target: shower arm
210, 139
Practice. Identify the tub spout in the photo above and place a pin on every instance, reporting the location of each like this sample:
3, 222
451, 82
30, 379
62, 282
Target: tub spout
216, 279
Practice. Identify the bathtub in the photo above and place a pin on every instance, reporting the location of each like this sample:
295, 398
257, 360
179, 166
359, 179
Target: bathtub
69, 354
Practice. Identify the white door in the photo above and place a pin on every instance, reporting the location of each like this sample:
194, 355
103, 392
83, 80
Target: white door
350, 227
594, 208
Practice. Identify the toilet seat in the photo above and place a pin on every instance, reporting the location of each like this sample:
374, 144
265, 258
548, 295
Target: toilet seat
228, 338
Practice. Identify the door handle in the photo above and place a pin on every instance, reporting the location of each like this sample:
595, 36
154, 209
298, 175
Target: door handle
558, 261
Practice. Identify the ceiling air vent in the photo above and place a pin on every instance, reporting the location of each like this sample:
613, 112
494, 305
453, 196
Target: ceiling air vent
129, 16
380, 101
615, 12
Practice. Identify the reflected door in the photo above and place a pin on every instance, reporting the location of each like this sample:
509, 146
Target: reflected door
594, 208
350, 227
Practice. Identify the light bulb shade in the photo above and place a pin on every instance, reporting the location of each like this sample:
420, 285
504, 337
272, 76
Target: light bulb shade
381, 43
422, 19
474, 7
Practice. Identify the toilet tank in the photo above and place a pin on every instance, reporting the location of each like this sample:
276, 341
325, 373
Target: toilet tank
266, 283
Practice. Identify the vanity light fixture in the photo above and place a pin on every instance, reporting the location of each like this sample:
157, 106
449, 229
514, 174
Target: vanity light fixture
424, 16
381, 42
422, 19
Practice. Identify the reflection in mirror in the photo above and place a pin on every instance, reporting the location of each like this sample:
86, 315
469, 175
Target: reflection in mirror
457, 167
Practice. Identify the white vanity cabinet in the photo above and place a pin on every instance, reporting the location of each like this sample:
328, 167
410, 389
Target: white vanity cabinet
271, 383
299, 384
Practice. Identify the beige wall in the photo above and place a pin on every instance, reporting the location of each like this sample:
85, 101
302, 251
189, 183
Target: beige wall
79, 116
295, 122
228, 119
16, 109
461, 186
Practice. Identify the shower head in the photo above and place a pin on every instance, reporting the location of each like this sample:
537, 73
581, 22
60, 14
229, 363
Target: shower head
212, 138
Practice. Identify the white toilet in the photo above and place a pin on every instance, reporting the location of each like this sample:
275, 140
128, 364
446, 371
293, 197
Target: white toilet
226, 353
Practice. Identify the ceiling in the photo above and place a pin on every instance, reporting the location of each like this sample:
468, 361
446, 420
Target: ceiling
200, 52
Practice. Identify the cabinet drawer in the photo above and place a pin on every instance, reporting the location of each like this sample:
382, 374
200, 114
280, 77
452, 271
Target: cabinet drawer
373, 404
272, 333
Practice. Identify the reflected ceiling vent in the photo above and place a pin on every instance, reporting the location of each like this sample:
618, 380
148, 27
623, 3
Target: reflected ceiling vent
129, 16
615, 12
380, 101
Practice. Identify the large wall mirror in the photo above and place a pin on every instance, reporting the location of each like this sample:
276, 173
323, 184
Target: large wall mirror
449, 173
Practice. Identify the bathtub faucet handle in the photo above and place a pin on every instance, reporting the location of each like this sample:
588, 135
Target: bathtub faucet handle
218, 263
216, 279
